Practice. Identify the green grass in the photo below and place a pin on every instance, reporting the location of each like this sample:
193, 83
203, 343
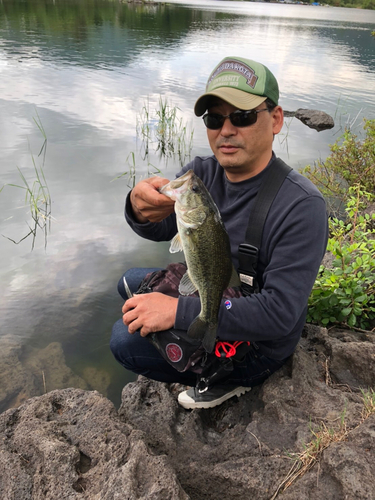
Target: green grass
37, 196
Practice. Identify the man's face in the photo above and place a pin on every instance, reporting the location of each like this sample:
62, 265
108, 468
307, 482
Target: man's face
244, 152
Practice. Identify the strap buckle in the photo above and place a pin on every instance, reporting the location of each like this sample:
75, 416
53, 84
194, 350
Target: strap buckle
248, 258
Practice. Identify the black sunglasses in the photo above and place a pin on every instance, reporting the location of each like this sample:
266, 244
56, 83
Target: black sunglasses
238, 118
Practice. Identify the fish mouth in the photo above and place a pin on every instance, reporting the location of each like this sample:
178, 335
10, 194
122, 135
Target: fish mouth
177, 186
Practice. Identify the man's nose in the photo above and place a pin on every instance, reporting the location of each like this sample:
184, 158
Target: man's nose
228, 128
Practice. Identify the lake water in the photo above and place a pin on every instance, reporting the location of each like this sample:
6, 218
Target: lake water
84, 70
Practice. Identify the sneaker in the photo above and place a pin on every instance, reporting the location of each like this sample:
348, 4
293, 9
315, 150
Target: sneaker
192, 398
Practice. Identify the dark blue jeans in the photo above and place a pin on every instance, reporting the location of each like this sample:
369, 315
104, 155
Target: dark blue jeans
138, 355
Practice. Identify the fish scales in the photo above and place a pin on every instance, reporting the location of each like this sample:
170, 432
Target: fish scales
205, 243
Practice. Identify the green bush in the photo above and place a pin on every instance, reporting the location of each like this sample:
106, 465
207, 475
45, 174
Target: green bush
344, 291
350, 163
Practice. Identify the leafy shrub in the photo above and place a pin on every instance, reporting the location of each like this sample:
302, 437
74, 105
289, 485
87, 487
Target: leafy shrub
344, 291
350, 163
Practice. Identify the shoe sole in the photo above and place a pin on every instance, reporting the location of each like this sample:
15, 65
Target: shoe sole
190, 404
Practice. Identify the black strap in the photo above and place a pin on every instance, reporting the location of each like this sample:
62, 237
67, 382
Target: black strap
249, 250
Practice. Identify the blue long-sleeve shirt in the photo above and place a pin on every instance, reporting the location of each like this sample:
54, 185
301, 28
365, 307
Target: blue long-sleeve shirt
293, 244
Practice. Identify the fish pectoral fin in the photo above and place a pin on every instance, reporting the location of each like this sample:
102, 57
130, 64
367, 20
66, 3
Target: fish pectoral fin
176, 244
234, 279
186, 287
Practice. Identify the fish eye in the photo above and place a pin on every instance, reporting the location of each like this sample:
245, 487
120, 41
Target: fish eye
195, 189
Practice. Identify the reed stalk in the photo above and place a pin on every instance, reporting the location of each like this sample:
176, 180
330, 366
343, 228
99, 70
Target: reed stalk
37, 195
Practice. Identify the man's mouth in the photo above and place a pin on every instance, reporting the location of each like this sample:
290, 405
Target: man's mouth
228, 148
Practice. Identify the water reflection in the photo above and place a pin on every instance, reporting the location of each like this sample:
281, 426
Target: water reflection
88, 67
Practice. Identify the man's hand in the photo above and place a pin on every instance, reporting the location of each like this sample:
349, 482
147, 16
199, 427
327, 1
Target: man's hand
149, 312
147, 203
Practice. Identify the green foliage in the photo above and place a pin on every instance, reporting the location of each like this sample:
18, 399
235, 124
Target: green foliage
344, 292
368, 396
368, 4
357, 4
350, 163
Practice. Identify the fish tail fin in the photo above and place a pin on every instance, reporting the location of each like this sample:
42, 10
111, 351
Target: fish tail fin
202, 330
209, 340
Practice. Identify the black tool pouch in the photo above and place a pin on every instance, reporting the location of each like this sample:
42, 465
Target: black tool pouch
179, 350
182, 352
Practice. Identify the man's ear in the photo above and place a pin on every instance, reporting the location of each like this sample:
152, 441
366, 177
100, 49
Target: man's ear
277, 119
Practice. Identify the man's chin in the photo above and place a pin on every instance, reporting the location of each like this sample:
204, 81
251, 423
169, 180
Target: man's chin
232, 167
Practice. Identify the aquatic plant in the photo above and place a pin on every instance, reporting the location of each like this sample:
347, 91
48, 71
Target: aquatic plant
37, 195
131, 173
143, 128
166, 130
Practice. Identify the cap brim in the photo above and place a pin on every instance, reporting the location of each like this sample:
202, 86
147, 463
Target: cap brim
235, 97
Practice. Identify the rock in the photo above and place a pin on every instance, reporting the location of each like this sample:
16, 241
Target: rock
318, 120
73, 444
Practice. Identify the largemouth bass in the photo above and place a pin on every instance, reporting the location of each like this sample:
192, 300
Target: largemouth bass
205, 243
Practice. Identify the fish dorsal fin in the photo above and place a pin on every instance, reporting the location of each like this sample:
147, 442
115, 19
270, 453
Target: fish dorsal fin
193, 218
234, 279
176, 244
186, 287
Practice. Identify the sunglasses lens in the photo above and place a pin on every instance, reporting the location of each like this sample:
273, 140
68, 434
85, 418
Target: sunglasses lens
213, 121
243, 118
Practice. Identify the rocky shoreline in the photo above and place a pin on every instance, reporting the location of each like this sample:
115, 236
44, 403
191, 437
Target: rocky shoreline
73, 443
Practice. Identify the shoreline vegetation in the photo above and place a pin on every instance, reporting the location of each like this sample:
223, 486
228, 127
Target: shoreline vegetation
355, 4
344, 290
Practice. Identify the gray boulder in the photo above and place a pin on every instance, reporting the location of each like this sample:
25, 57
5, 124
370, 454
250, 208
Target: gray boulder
318, 120
74, 444
71, 444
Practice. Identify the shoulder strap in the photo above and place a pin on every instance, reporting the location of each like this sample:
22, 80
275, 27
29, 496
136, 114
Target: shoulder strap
249, 250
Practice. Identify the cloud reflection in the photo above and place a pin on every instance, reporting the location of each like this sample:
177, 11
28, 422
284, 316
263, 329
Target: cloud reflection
88, 74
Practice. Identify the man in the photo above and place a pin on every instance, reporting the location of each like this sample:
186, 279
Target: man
293, 243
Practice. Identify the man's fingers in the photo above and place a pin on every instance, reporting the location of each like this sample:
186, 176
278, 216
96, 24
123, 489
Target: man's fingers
156, 183
133, 326
147, 203
129, 317
144, 331
152, 196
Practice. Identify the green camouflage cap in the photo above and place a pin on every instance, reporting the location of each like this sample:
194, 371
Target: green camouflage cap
241, 82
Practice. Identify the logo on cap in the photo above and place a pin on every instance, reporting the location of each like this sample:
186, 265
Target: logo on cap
174, 352
237, 67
